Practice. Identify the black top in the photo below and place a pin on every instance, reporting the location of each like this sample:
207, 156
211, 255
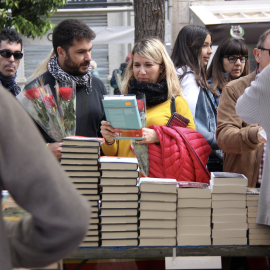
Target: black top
89, 108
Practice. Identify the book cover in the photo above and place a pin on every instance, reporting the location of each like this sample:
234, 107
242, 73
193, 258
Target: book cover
118, 181
158, 197
123, 114
82, 141
185, 184
157, 233
118, 227
120, 174
161, 185
119, 197
157, 224
158, 206
120, 189
119, 204
119, 235
119, 242
156, 242
118, 163
228, 178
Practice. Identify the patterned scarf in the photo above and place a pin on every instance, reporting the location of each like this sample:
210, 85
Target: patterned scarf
155, 93
10, 84
61, 75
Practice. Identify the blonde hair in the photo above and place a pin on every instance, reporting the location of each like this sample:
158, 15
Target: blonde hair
43, 66
154, 50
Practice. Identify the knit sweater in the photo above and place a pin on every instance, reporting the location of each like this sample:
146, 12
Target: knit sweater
253, 107
28, 170
157, 115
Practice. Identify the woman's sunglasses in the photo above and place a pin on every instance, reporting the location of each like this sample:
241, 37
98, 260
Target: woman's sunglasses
8, 54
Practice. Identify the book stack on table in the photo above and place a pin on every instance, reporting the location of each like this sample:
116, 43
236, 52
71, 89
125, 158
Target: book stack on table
80, 161
229, 212
258, 234
157, 212
119, 201
193, 214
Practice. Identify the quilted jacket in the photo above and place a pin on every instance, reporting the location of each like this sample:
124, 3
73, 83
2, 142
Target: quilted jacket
181, 155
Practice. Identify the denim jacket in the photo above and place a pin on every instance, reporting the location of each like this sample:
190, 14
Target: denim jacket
206, 114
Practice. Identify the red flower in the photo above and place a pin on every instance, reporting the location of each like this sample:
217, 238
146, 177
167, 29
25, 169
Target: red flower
140, 104
65, 93
48, 101
32, 93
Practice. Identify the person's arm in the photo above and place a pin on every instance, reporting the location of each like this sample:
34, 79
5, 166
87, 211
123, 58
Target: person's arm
210, 137
249, 105
233, 135
28, 170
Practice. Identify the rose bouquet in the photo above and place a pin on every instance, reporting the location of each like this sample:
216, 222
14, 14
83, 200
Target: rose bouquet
66, 97
40, 104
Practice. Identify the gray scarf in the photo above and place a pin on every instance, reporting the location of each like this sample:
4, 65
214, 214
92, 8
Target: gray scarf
59, 74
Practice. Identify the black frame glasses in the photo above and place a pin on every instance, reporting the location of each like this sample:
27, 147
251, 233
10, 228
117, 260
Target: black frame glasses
264, 49
233, 58
8, 54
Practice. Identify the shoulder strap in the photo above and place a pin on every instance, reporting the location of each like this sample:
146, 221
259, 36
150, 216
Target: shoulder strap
214, 106
173, 105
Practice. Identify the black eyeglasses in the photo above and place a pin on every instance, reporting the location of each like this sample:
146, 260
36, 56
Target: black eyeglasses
8, 54
233, 59
261, 48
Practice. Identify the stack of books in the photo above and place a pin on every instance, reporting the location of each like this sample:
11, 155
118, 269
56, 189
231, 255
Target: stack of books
119, 201
258, 234
193, 214
80, 161
157, 212
229, 212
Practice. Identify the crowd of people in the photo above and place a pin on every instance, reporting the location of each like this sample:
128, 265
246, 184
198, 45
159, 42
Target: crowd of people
207, 97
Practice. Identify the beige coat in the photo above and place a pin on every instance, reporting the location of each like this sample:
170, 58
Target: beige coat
238, 140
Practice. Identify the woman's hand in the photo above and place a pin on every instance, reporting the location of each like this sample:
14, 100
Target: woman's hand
150, 136
107, 131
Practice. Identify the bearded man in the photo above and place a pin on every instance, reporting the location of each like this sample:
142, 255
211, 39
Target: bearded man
72, 44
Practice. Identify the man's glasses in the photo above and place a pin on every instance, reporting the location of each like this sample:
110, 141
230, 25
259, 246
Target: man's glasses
8, 54
263, 49
233, 59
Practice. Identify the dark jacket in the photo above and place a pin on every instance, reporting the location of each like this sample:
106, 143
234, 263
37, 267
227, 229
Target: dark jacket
89, 108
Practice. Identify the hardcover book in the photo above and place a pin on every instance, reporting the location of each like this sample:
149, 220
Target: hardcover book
193, 240
120, 189
119, 220
118, 212
230, 241
157, 242
67, 155
227, 178
123, 114
157, 224
120, 174
162, 185
194, 230
68, 161
144, 214
227, 188
119, 235
228, 204
82, 141
229, 233
81, 149
190, 221
157, 233
158, 197
193, 212
119, 197
83, 179
203, 193
119, 242
157, 206
118, 163
119, 204
69, 167
118, 227
118, 181
194, 203
83, 173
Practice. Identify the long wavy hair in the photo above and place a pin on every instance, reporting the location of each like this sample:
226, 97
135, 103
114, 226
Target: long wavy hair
230, 46
154, 50
187, 52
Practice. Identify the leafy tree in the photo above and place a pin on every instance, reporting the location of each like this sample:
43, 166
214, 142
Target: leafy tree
29, 17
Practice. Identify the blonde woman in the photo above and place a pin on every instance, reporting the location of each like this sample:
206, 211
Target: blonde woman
150, 72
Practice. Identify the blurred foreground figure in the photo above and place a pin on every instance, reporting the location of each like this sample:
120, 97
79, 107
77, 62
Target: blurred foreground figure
58, 217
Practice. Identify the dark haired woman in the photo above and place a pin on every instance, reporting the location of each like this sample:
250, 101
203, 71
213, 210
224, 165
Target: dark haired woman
191, 53
229, 63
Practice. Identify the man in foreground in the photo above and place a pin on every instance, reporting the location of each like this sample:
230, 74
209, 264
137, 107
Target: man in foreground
59, 216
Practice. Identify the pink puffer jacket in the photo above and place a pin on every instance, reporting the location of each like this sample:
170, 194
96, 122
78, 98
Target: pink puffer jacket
182, 155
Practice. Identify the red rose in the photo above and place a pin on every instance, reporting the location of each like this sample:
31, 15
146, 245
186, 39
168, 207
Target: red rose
65, 93
48, 101
140, 104
32, 93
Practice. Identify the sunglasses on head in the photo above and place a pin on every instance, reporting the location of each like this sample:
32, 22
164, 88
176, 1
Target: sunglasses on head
8, 54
